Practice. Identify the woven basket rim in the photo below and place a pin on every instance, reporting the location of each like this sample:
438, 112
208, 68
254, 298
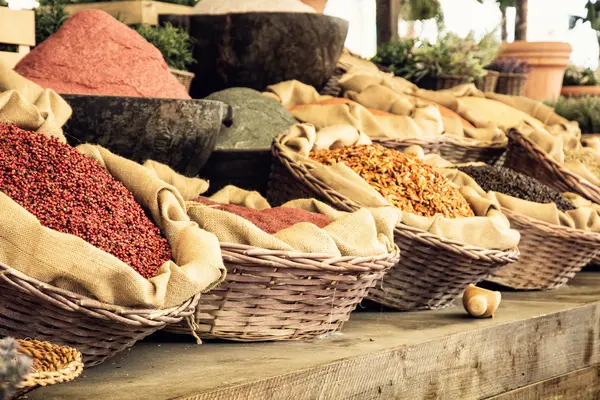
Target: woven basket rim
71, 301
445, 138
182, 72
67, 372
513, 75
462, 141
475, 252
551, 229
410, 141
450, 76
491, 72
536, 152
308, 261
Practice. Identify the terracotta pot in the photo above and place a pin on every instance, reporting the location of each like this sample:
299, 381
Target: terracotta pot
318, 5
548, 60
580, 91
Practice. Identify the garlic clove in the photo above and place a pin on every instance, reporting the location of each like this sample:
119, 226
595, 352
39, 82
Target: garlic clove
481, 303
477, 305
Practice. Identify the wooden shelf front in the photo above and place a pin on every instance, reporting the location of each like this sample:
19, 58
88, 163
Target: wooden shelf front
16, 28
133, 12
536, 340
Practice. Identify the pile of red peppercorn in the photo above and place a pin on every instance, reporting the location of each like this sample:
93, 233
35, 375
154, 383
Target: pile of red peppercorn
271, 220
71, 193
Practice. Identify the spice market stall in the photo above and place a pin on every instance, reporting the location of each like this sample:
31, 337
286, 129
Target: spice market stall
316, 202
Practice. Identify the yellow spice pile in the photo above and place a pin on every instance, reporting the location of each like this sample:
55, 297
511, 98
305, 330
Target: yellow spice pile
405, 181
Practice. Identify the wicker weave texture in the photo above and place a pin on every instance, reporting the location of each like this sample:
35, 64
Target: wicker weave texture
442, 82
52, 364
460, 150
332, 86
488, 82
277, 295
432, 270
512, 84
527, 157
429, 146
184, 77
33, 309
550, 255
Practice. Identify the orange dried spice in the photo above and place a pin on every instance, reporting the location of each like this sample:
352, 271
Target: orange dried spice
405, 181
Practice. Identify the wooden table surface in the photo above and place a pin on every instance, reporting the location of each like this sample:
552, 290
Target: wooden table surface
540, 345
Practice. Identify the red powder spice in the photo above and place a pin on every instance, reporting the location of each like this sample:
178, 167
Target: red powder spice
271, 220
71, 193
94, 54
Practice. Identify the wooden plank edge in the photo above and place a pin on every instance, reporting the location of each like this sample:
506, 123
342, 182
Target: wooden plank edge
466, 365
11, 59
17, 27
582, 384
133, 11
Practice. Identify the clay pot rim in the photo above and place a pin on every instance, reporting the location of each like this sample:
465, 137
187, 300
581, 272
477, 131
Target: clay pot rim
580, 91
537, 46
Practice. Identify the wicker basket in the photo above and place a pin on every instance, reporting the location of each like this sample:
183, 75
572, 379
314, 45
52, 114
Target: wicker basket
278, 295
52, 364
442, 82
550, 255
332, 86
460, 150
33, 309
488, 82
527, 157
429, 146
512, 84
432, 271
184, 77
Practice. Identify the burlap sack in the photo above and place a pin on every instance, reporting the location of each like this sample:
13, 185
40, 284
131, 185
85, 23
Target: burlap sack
26, 104
554, 143
586, 217
489, 229
418, 120
374, 89
68, 262
367, 232
189, 188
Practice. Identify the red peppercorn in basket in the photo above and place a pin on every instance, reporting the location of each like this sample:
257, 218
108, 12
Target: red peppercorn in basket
271, 220
71, 193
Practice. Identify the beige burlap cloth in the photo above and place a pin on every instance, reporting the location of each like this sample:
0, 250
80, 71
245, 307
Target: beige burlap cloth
555, 143
70, 263
366, 232
462, 111
28, 105
489, 228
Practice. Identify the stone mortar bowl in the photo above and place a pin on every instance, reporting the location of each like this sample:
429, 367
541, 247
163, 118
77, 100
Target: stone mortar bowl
179, 133
259, 49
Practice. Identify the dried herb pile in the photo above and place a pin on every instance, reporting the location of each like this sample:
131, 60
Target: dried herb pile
512, 183
74, 194
588, 157
271, 220
405, 181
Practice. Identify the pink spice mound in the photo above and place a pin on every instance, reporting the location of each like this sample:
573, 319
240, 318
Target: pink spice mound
271, 220
94, 54
74, 194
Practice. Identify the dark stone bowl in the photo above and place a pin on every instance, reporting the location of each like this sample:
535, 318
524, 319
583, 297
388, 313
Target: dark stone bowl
256, 50
179, 133
246, 169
